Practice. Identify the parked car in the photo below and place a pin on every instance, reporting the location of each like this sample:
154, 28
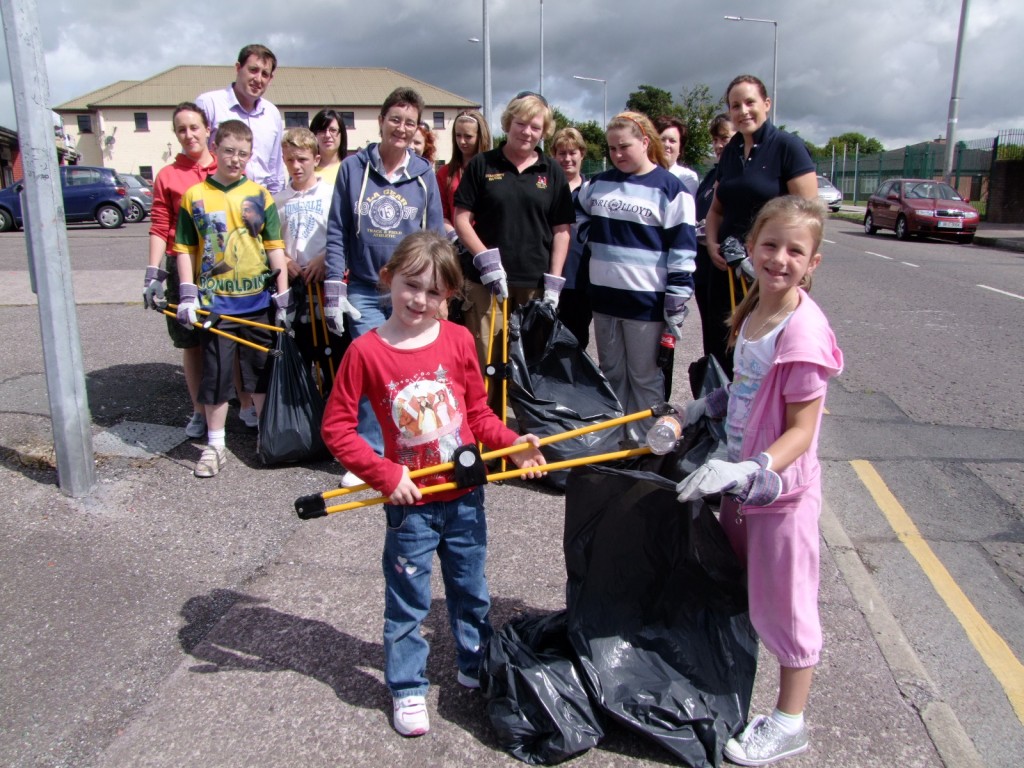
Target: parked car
90, 194
829, 194
921, 207
141, 193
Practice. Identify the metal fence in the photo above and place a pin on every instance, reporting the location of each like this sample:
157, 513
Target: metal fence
858, 175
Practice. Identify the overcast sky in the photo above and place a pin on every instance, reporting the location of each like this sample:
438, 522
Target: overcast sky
883, 68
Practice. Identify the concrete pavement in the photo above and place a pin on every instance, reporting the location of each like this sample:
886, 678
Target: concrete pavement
168, 621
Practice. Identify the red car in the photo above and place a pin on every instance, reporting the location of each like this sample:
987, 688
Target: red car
921, 207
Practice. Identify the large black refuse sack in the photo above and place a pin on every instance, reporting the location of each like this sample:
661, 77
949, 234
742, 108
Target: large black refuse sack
535, 699
555, 386
657, 610
293, 411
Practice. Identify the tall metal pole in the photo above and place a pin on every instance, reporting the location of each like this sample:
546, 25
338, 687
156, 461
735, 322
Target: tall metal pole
541, 90
49, 262
604, 115
954, 97
487, 67
775, 64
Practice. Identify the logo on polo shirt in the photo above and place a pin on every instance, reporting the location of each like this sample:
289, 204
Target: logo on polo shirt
495, 176
542, 182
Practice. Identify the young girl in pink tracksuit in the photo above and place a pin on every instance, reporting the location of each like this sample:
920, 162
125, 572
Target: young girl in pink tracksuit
784, 355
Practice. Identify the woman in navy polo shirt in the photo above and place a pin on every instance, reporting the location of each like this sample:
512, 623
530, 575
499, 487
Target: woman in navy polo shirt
759, 163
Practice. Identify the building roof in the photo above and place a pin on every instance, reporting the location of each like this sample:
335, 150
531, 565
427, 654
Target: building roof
291, 86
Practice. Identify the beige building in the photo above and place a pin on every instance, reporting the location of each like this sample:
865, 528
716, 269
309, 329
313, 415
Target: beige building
127, 125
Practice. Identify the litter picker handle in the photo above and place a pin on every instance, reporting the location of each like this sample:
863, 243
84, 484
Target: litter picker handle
225, 334
239, 320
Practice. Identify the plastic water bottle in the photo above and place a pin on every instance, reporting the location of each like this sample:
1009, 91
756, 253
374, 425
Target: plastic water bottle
663, 436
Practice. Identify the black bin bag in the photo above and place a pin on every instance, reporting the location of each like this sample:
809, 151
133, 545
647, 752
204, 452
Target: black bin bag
536, 700
293, 411
555, 386
657, 611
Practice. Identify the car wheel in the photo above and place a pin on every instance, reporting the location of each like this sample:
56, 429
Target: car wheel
902, 231
6, 221
109, 216
135, 213
869, 224
834, 208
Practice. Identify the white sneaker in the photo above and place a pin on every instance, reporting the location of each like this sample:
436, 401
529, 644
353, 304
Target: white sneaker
196, 427
468, 681
249, 417
411, 718
350, 480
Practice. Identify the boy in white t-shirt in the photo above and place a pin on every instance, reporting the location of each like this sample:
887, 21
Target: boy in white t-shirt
303, 206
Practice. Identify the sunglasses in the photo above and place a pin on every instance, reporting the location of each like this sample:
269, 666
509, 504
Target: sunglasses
524, 94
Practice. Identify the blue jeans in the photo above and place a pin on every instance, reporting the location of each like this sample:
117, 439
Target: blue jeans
457, 531
375, 309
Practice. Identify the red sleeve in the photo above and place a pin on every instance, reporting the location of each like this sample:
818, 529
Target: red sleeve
483, 422
162, 217
341, 418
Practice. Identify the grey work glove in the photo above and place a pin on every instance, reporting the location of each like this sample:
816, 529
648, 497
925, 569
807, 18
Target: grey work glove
735, 255
552, 289
492, 274
336, 304
188, 303
153, 288
751, 482
284, 315
714, 406
675, 313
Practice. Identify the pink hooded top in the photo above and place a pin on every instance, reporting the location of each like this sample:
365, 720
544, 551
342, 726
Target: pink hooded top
806, 357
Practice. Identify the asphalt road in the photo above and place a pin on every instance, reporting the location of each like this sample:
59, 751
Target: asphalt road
932, 398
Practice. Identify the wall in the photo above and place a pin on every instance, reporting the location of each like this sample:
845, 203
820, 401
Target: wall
1006, 193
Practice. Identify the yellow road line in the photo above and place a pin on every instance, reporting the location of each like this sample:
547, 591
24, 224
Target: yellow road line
994, 651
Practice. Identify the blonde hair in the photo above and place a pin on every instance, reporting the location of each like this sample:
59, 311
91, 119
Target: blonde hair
527, 107
419, 251
571, 138
793, 210
300, 138
642, 128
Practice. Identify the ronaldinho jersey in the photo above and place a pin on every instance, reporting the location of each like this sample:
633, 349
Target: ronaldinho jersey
227, 231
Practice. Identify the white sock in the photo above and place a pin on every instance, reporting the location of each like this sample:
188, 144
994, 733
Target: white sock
215, 437
789, 724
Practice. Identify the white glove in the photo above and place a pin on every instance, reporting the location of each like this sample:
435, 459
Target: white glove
285, 314
752, 482
492, 274
675, 313
153, 288
336, 304
552, 288
188, 303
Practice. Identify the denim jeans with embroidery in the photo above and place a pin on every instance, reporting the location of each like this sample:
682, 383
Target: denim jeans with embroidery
457, 531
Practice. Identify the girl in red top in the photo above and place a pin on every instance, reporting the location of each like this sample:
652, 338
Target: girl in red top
190, 167
421, 377
470, 136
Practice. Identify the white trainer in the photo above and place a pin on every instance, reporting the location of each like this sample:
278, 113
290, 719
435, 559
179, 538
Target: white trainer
411, 718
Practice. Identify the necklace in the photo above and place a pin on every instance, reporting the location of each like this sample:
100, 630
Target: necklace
751, 337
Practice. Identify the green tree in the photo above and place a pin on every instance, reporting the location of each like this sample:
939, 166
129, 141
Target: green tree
697, 108
653, 102
851, 140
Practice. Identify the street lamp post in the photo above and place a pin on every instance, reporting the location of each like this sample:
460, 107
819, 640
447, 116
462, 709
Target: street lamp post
775, 66
604, 115
541, 89
487, 63
954, 99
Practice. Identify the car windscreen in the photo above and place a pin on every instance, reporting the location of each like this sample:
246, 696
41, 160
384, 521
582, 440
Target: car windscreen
932, 190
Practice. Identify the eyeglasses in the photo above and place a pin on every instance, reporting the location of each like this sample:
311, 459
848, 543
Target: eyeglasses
330, 131
239, 153
524, 94
397, 122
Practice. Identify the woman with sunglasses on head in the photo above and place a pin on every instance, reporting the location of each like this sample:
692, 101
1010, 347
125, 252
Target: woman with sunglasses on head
759, 163
383, 193
332, 139
513, 211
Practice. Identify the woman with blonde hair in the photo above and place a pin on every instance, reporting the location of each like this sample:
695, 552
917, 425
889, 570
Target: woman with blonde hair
513, 211
639, 221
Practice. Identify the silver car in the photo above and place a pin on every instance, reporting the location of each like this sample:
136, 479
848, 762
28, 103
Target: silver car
140, 193
829, 195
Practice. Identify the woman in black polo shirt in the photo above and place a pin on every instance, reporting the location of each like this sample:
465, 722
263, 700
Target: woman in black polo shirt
759, 163
513, 211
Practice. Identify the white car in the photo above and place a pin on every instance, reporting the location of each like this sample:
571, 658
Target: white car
829, 195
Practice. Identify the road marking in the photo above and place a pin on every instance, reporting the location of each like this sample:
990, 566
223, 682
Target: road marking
872, 253
993, 650
830, 242
1005, 293
909, 264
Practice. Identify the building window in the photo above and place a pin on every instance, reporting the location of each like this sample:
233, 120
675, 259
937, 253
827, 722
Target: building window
439, 120
141, 121
296, 119
349, 118
84, 123
146, 172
